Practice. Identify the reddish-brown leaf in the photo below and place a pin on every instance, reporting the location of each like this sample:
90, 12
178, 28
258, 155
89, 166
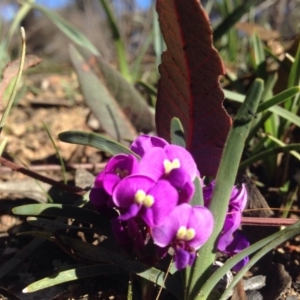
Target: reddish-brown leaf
189, 85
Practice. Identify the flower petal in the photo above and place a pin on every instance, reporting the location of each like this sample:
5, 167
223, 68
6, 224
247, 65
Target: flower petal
165, 199
152, 163
131, 212
201, 220
110, 181
187, 163
182, 258
123, 162
182, 182
125, 191
164, 234
145, 142
98, 196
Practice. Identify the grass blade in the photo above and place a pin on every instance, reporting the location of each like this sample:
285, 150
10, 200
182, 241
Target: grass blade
68, 29
97, 141
72, 274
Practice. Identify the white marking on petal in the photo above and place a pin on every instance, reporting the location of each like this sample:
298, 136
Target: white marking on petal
170, 165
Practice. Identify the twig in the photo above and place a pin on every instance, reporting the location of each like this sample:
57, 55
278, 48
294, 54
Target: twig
32, 174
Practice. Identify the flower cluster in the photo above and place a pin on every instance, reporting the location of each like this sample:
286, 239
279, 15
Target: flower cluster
151, 190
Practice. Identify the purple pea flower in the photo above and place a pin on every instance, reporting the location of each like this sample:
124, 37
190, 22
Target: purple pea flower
141, 195
174, 164
117, 168
231, 241
185, 229
98, 195
238, 243
144, 142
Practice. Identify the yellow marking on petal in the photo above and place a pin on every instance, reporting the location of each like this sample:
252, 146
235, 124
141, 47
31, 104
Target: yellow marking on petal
181, 233
185, 234
148, 201
139, 196
190, 234
170, 165
142, 198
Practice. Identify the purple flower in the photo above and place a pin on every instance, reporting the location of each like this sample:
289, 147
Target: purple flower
174, 164
143, 196
185, 229
144, 142
237, 203
238, 243
117, 168
98, 195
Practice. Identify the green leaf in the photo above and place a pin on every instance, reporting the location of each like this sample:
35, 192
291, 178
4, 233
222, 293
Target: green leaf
177, 133
271, 241
294, 79
21, 255
69, 30
101, 254
52, 224
72, 274
279, 98
224, 182
150, 89
118, 40
127, 96
259, 56
198, 194
104, 106
280, 143
280, 111
231, 20
267, 153
67, 211
94, 140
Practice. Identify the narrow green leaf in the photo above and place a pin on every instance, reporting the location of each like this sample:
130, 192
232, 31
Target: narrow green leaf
67, 211
259, 56
279, 98
280, 111
127, 96
72, 274
17, 81
101, 254
177, 133
294, 80
69, 30
94, 140
224, 182
271, 241
198, 194
52, 224
118, 40
102, 103
280, 143
150, 89
61, 161
267, 153
231, 20
21, 255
